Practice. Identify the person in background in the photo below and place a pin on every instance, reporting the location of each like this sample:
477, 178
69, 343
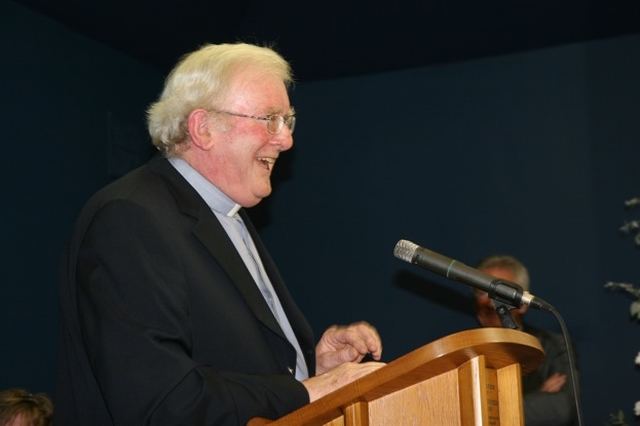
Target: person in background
173, 311
547, 393
18, 407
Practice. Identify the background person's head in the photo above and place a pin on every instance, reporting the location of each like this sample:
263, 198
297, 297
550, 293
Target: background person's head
505, 267
20, 408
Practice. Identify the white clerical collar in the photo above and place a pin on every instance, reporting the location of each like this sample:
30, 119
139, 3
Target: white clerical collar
234, 210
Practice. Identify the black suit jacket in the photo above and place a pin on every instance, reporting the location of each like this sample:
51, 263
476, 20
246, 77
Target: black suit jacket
161, 321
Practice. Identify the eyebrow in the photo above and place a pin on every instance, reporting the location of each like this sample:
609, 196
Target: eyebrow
278, 111
286, 114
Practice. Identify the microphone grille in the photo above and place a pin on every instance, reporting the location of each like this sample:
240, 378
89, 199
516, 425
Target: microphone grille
405, 250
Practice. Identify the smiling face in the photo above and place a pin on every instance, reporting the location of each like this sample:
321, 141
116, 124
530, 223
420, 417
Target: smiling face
238, 153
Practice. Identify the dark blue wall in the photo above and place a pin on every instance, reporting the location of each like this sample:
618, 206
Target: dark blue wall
72, 119
530, 154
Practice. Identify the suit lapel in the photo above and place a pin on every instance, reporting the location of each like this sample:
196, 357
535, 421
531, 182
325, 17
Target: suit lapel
214, 238
298, 322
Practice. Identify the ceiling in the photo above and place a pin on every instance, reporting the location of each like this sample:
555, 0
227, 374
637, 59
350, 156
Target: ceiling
333, 39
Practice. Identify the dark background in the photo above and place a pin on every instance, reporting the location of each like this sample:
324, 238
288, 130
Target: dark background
466, 130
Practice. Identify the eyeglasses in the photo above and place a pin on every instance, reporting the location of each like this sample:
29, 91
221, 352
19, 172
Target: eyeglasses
275, 122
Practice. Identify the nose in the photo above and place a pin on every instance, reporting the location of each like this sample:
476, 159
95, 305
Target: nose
283, 140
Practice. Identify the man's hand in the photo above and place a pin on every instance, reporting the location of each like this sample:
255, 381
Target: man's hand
340, 376
340, 344
554, 383
338, 356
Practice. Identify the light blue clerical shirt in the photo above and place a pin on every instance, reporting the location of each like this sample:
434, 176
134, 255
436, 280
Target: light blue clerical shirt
226, 210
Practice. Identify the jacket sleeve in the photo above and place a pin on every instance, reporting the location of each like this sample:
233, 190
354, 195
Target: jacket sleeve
551, 409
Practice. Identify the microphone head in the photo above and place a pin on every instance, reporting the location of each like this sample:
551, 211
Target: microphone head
405, 250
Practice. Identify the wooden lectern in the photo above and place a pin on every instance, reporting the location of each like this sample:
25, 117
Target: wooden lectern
468, 378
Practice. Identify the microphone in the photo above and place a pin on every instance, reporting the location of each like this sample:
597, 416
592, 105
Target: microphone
496, 288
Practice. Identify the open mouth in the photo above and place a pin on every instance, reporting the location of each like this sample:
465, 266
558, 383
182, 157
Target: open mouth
267, 162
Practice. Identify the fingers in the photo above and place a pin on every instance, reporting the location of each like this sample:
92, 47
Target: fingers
366, 340
340, 344
554, 383
338, 377
361, 336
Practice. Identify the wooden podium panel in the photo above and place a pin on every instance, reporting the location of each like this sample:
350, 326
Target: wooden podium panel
468, 378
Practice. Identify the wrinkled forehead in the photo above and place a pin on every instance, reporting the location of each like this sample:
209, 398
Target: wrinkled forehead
253, 89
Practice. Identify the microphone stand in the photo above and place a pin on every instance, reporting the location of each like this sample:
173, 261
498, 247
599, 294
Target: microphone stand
503, 309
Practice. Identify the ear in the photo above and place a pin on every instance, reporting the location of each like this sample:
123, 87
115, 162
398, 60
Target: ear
199, 132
